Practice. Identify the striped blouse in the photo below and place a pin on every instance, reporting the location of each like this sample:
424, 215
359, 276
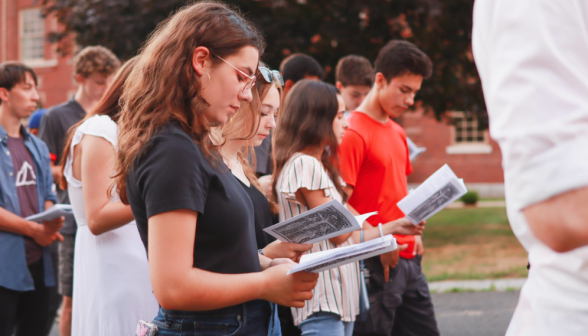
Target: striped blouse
337, 290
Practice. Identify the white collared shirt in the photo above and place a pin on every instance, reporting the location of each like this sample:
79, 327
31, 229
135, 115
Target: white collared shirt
532, 57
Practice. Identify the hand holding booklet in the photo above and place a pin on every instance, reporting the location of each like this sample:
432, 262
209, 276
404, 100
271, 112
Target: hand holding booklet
326, 221
324, 260
56, 211
438, 191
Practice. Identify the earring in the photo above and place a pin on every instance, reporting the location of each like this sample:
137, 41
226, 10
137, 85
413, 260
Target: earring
208, 81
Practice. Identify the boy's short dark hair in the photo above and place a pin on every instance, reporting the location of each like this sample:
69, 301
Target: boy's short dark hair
297, 66
96, 59
354, 70
400, 57
12, 73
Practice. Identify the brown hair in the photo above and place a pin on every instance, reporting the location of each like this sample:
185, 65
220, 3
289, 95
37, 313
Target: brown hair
164, 85
96, 59
108, 105
400, 57
12, 73
307, 121
241, 121
354, 70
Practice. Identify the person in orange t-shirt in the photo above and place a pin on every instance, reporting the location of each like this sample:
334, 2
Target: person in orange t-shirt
374, 162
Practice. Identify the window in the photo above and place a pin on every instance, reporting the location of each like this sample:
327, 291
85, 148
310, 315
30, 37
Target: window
466, 138
32, 35
466, 130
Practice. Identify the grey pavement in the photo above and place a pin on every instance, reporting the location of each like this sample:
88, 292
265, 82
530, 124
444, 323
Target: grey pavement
474, 313
466, 314
477, 285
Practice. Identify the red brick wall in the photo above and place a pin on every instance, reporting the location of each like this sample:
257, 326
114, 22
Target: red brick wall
427, 132
56, 82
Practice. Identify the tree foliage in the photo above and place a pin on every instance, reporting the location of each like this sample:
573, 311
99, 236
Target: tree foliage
325, 29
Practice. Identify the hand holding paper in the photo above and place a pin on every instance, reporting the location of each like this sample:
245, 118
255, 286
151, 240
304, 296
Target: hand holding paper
58, 210
438, 191
329, 220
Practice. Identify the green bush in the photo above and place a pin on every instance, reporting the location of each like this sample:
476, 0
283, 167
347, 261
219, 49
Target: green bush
471, 197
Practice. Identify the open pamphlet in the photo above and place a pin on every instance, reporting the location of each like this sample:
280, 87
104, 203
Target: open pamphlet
413, 150
329, 220
438, 191
324, 260
56, 211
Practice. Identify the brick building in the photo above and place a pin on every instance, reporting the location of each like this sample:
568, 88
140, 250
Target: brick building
23, 33
471, 153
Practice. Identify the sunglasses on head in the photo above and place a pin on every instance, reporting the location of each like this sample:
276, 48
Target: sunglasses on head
269, 75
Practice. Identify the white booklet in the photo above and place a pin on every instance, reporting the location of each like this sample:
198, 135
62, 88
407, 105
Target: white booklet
329, 220
56, 211
324, 260
438, 191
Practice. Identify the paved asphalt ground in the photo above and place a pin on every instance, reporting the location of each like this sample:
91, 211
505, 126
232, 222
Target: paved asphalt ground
474, 314
466, 314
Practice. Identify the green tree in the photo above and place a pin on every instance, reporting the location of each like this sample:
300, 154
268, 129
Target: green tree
325, 29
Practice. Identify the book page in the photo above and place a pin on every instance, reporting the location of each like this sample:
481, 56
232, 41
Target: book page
323, 222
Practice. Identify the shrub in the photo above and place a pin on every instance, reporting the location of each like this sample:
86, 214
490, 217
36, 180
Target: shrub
471, 197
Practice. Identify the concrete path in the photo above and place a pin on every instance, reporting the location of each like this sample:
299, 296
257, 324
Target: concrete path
476, 285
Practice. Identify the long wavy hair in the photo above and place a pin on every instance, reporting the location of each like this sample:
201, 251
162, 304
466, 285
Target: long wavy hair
306, 121
108, 105
164, 85
233, 130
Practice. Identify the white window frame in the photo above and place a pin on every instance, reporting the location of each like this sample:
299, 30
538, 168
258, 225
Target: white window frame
464, 146
43, 61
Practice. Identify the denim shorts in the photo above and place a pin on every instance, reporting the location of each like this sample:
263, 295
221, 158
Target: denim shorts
251, 318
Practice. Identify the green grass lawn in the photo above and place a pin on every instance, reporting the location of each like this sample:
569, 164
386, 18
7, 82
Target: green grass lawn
460, 226
472, 243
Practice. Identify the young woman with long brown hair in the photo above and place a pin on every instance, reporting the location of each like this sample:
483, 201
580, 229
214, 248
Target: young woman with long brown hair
196, 221
310, 129
111, 274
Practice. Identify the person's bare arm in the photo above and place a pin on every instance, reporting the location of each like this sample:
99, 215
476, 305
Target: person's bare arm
280, 249
179, 286
97, 165
315, 198
56, 172
561, 222
43, 234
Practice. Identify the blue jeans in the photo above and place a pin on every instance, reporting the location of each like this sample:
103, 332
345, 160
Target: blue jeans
326, 324
251, 318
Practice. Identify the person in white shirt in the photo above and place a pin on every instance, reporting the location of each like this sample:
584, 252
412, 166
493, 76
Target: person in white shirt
532, 57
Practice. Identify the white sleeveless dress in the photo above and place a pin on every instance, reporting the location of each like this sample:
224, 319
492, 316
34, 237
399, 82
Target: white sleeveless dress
111, 286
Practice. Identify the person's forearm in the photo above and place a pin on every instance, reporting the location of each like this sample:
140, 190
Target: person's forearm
10, 222
49, 205
56, 172
561, 222
264, 262
201, 290
370, 232
111, 216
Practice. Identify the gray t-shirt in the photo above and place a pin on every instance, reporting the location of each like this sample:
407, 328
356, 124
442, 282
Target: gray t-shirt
54, 127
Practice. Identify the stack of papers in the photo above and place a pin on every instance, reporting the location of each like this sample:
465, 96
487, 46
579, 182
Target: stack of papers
56, 211
438, 191
329, 220
324, 260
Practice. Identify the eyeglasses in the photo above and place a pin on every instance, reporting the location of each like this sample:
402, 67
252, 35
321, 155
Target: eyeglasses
268, 74
251, 79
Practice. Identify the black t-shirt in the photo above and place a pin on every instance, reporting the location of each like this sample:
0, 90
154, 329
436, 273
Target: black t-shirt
53, 131
263, 215
174, 174
26, 188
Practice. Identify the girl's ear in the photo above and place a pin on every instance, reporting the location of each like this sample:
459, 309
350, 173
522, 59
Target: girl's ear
199, 60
